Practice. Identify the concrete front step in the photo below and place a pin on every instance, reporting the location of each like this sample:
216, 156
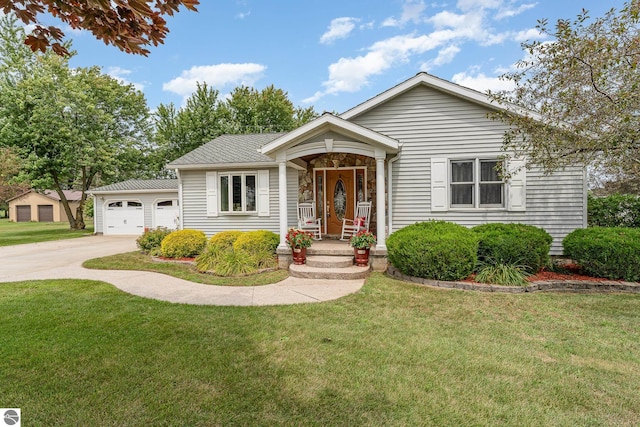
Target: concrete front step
325, 261
333, 249
345, 273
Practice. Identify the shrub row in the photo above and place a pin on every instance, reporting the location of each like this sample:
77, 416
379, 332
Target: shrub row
443, 250
613, 252
614, 211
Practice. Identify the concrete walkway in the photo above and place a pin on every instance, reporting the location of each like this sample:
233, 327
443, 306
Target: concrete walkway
62, 259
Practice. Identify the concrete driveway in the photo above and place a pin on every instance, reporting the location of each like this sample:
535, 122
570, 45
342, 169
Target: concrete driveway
62, 259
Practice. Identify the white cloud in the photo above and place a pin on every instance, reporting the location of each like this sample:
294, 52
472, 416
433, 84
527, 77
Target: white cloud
481, 82
469, 5
339, 28
411, 12
508, 12
530, 34
217, 76
445, 56
243, 15
119, 73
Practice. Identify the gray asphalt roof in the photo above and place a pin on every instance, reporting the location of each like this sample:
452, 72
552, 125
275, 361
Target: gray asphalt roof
140, 184
229, 149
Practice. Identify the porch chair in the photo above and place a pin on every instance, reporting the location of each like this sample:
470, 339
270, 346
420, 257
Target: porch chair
360, 222
307, 220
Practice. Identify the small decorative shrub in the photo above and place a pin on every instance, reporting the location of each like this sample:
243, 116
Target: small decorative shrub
502, 274
223, 240
363, 239
151, 239
183, 244
257, 241
613, 252
298, 238
616, 210
434, 250
232, 253
513, 244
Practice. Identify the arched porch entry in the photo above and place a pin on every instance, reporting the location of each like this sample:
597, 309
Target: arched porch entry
332, 137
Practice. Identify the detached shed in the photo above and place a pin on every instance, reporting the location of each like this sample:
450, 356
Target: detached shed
42, 206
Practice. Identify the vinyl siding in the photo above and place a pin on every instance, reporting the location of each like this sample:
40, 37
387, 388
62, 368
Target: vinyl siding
195, 207
148, 201
429, 123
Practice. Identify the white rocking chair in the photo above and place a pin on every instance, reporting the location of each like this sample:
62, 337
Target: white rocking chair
307, 220
360, 222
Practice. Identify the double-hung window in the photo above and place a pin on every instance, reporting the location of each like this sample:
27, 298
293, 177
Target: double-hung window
237, 192
476, 183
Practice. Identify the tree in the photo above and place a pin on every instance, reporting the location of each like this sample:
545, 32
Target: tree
128, 24
10, 165
71, 127
577, 98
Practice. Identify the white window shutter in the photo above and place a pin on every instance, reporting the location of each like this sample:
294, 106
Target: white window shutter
212, 193
439, 187
517, 185
263, 192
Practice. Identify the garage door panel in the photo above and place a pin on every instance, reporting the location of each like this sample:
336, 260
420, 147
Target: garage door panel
125, 218
166, 214
23, 213
45, 213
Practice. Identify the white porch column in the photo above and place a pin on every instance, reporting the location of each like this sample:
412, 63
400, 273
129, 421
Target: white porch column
282, 190
380, 199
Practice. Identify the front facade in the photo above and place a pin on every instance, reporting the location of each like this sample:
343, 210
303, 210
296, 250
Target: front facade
422, 150
42, 206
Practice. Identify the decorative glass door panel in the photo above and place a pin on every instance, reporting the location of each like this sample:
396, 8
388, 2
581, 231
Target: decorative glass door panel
339, 192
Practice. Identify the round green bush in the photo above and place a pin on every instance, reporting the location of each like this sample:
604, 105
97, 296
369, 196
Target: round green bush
231, 253
613, 253
257, 241
183, 244
513, 244
436, 250
223, 240
152, 239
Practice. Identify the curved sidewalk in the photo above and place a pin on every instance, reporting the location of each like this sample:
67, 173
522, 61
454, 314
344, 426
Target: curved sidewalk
62, 259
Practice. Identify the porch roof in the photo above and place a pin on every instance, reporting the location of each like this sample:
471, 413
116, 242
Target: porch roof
330, 123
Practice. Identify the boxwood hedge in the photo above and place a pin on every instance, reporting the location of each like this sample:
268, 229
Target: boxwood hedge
436, 250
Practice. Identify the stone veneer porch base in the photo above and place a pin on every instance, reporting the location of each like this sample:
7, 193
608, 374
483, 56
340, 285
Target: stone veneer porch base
551, 285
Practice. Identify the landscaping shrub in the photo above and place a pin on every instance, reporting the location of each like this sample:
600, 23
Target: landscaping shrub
151, 239
231, 253
183, 244
513, 244
434, 250
502, 274
257, 241
613, 252
614, 211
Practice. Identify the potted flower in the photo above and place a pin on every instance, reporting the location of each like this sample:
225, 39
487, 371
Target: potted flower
299, 241
362, 242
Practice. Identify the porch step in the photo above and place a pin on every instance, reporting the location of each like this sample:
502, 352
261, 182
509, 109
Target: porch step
332, 273
326, 261
336, 248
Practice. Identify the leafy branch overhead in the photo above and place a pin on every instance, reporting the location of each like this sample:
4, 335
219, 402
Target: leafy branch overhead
131, 25
583, 83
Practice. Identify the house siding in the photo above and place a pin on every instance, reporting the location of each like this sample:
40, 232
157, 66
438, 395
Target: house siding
195, 205
148, 201
432, 124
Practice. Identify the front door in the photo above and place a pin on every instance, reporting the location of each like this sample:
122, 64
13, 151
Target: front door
339, 196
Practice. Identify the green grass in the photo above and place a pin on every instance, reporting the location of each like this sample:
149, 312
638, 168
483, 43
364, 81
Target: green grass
83, 353
16, 233
141, 262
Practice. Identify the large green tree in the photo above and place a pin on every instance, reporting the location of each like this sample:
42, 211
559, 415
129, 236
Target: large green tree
577, 97
72, 127
206, 116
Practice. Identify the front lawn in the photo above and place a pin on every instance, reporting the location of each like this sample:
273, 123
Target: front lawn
16, 233
83, 353
141, 262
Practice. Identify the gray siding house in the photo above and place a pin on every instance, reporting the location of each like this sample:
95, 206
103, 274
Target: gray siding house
424, 149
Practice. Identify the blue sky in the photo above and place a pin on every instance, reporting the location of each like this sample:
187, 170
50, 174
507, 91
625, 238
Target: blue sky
331, 54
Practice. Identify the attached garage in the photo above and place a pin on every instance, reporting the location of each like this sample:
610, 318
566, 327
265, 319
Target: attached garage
45, 213
130, 207
23, 213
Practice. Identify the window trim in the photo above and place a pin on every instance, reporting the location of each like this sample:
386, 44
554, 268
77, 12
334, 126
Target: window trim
243, 202
475, 197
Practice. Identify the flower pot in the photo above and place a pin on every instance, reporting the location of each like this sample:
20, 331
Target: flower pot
299, 255
361, 256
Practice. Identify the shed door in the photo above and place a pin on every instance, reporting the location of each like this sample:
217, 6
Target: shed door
166, 214
23, 213
124, 217
45, 213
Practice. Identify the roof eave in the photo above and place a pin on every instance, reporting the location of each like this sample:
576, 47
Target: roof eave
146, 191
202, 166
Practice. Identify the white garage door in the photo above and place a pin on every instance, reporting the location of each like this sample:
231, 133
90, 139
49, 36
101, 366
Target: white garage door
124, 217
166, 214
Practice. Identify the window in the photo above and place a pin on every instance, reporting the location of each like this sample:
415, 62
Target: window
237, 192
476, 183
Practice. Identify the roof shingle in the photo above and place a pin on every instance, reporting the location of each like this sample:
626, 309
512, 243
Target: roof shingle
140, 184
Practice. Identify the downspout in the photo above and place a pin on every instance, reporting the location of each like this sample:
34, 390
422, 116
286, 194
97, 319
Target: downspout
390, 190
181, 207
